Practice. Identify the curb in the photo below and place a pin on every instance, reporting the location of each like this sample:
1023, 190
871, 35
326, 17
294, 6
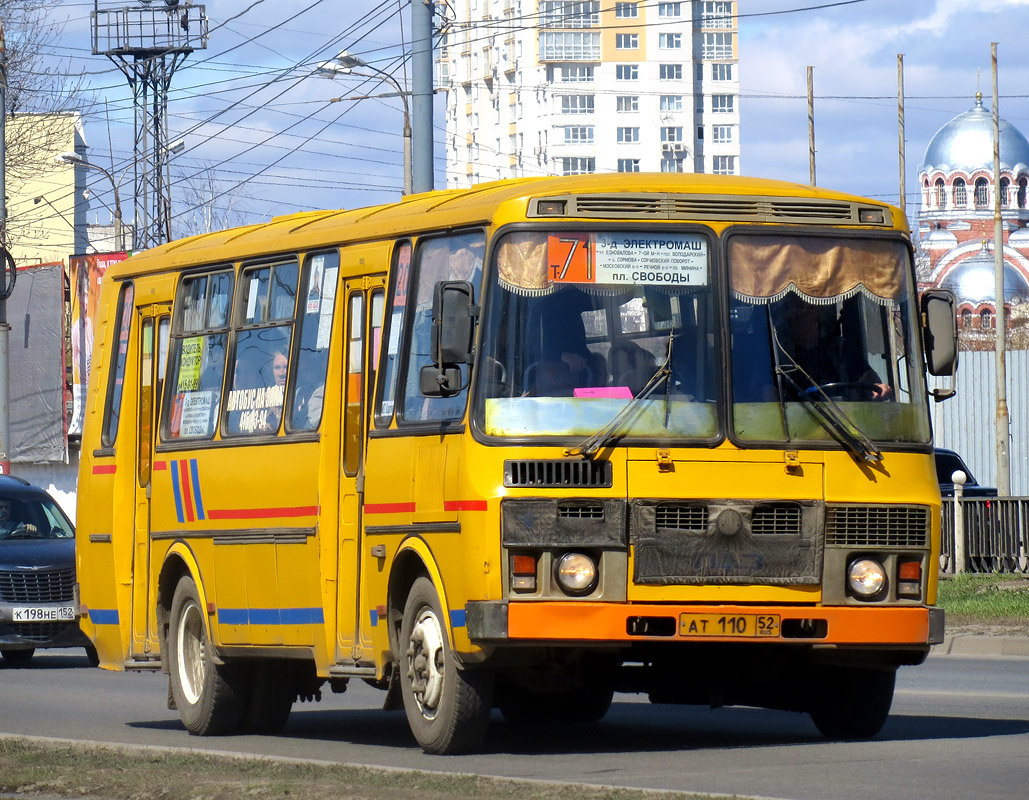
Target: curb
983, 646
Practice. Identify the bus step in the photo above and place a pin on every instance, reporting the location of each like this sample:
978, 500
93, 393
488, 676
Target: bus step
133, 664
352, 671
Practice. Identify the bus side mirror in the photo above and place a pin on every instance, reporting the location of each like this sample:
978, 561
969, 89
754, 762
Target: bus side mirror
453, 334
940, 334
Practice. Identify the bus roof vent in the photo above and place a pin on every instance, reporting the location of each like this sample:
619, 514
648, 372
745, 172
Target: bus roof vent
557, 473
718, 207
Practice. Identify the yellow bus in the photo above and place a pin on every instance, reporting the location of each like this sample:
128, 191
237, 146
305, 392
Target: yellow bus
519, 447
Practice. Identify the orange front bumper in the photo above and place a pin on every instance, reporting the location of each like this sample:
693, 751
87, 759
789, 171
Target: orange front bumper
838, 625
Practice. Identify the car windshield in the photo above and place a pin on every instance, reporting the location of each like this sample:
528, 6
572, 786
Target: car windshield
32, 518
587, 328
824, 341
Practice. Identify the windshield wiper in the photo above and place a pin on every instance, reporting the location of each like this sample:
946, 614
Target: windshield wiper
830, 416
589, 447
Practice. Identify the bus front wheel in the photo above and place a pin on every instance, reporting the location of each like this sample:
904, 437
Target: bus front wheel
852, 702
447, 707
210, 697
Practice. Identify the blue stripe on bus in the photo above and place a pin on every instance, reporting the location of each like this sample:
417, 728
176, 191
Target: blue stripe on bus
104, 616
177, 492
195, 472
457, 618
270, 616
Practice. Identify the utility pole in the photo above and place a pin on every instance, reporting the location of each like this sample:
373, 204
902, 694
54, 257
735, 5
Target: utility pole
422, 179
900, 130
1000, 426
7, 272
811, 122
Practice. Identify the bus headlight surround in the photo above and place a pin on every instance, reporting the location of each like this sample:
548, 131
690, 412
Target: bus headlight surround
576, 574
866, 578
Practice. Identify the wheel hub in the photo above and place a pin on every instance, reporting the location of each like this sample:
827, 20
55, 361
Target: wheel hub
425, 662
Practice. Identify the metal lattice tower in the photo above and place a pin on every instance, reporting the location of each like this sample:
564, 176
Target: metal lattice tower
148, 44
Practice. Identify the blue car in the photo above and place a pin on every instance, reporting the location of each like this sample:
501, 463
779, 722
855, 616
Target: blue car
38, 606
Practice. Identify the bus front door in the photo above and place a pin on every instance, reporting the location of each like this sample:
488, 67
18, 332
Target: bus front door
152, 350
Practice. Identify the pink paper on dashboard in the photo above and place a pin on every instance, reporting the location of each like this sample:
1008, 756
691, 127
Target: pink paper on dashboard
618, 392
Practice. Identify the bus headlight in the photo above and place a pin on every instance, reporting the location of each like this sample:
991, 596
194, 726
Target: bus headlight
866, 577
576, 573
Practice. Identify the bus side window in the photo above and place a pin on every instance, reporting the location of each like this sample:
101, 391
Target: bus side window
386, 390
317, 303
116, 380
199, 339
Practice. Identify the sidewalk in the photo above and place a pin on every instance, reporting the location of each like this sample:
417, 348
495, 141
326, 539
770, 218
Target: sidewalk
978, 645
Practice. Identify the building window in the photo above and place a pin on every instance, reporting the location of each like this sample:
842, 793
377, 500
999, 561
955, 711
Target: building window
626, 10
724, 165
578, 134
578, 166
1005, 189
669, 9
669, 41
556, 46
627, 102
985, 319
716, 45
627, 72
671, 102
1023, 186
941, 194
576, 103
670, 72
671, 133
673, 164
982, 193
966, 319
721, 72
716, 15
579, 73
628, 165
570, 14
722, 134
722, 103
627, 41
960, 194
626, 135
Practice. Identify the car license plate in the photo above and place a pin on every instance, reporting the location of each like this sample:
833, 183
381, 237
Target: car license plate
44, 613
753, 625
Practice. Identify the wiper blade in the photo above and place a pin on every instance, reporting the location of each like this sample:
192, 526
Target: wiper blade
589, 447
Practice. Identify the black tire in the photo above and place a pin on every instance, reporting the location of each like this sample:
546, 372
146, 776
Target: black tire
582, 706
447, 707
270, 698
92, 656
852, 702
18, 658
210, 697
588, 705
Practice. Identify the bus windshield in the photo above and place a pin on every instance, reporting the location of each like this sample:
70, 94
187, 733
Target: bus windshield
582, 323
824, 341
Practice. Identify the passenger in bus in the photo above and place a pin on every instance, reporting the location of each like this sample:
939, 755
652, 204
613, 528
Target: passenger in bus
631, 365
563, 362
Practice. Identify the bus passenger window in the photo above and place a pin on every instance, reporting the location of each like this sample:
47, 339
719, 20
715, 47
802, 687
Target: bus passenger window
117, 377
199, 341
318, 300
386, 390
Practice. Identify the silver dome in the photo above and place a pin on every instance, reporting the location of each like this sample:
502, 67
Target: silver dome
966, 143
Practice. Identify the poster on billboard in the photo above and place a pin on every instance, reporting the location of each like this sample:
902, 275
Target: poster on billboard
85, 273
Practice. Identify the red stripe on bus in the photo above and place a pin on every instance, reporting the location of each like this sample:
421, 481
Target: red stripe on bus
262, 513
464, 505
104, 469
158, 465
187, 496
388, 508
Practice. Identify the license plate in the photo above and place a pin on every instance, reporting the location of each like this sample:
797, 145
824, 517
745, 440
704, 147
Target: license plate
750, 625
44, 613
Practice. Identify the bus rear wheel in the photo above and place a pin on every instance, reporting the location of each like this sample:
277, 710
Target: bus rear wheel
447, 707
852, 702
210, 697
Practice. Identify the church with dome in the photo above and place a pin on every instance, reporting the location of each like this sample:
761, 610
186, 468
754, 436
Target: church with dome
956, 224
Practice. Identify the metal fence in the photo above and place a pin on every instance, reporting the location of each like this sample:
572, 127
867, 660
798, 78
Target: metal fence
996, 534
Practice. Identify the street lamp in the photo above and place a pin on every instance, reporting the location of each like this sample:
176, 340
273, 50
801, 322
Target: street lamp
344, 64
76, 159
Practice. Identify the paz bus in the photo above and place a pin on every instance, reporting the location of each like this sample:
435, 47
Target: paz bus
520, 447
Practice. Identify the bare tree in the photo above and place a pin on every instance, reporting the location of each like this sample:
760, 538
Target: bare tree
210, 204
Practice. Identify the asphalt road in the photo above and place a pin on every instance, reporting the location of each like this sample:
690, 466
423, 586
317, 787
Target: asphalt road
959, 729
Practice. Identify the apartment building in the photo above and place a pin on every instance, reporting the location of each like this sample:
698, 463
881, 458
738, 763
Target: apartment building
561, 87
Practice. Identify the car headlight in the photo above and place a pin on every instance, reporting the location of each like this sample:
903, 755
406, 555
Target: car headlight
576, 573
866, 577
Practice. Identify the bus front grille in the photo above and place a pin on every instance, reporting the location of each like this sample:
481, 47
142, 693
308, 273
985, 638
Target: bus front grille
557, 473
877, 526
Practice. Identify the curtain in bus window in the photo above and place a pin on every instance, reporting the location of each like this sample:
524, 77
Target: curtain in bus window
449, 258
318, 301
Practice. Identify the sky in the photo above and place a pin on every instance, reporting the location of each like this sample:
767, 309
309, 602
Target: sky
267, 136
